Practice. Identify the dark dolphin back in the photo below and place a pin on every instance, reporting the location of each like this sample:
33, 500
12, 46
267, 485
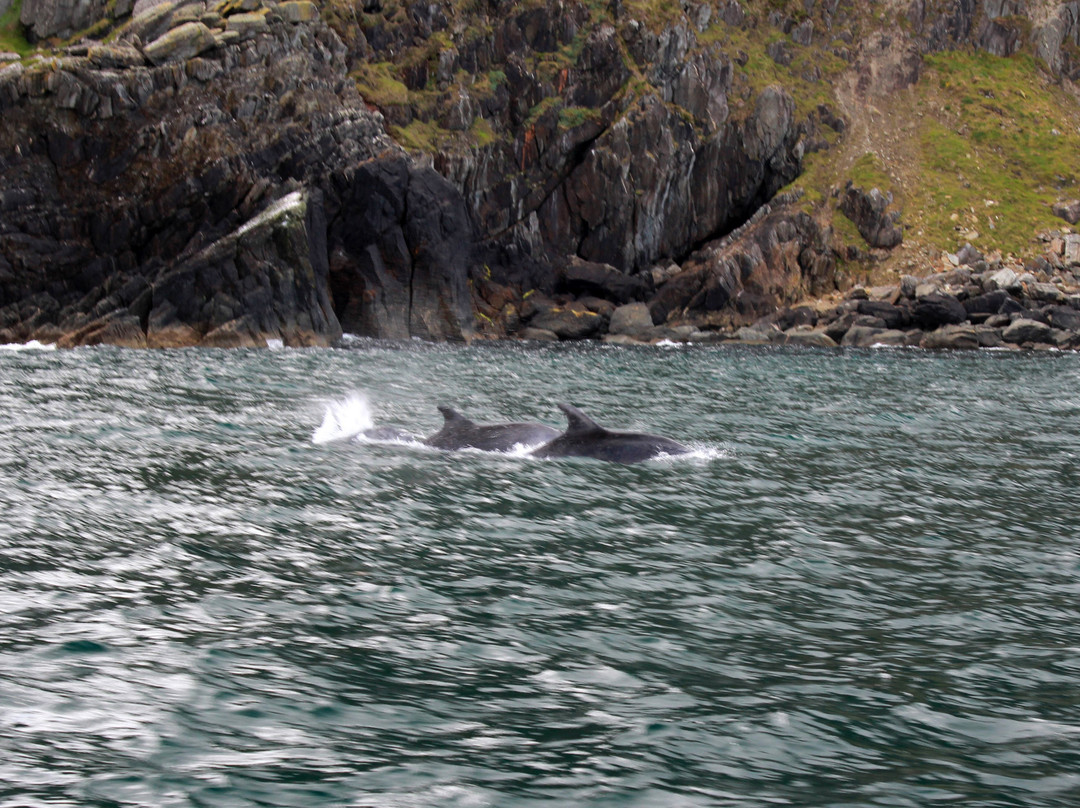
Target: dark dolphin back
586, 438
458, 432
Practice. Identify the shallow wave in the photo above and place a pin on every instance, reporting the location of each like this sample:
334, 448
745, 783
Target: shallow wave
32, 345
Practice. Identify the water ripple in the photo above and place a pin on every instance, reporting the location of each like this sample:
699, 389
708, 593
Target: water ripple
849, 598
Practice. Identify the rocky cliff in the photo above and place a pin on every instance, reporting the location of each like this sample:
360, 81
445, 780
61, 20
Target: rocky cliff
212, 177
231, 173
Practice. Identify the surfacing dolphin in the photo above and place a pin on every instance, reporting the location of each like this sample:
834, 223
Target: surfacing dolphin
586, 438
458, 432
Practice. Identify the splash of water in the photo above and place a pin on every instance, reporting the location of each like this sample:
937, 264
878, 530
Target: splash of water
344, 419
32, 345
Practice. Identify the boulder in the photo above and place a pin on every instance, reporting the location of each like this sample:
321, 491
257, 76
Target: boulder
115, 56
1069, 211
988, 303
1004, 278
809, 337
1064, 317
180, 43
1023, 331
248, 24
868, 210
891, 316
749, 335
937, 309
296, 11
860, 336
1044, 293
989, 337
581, 277
568, 323
631, 318
538, 335
951, 337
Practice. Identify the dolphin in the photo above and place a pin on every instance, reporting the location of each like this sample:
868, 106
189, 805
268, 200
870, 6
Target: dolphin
586, 438
458, 432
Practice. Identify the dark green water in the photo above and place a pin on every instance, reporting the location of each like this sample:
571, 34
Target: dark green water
862, 589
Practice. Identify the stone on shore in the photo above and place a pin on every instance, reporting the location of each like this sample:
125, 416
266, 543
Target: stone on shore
630, 319
861, 336
809, 337
538, 335
1026, 331
951, 337
937, 309
572, 322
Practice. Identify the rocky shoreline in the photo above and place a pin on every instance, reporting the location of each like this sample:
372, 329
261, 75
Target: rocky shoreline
976, 303
232, 174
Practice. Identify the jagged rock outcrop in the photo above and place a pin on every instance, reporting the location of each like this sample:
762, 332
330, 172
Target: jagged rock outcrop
211, 192
779, 256
869, 211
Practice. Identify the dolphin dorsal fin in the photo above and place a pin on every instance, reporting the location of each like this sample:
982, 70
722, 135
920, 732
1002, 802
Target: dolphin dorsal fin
453, 417
578, 422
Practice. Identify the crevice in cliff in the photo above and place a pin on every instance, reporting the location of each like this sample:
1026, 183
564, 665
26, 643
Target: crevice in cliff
738, 223
576, 157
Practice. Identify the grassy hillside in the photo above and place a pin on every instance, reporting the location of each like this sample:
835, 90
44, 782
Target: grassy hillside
977, 151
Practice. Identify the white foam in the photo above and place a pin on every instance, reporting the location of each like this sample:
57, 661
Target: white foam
344, 419
700, 453
32, 345
275, 344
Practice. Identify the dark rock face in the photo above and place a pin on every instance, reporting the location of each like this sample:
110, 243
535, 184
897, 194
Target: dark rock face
165, 205
211, 176
399, 266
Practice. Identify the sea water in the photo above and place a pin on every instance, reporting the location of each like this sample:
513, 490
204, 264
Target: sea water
861, 588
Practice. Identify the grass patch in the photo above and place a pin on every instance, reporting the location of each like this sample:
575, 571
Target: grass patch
869, 172
423, 136
481, 132
12, 37
573, 117
379, 85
